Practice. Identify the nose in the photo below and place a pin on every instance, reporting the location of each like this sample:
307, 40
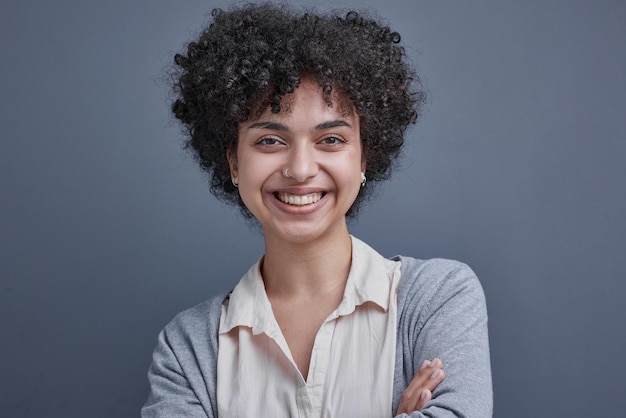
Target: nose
302, 162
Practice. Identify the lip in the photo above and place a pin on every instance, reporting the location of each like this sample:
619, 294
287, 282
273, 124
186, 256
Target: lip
299, 199
317, 195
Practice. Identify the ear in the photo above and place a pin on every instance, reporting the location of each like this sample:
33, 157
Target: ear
231, 156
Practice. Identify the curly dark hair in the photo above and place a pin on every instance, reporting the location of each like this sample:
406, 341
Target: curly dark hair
250, 57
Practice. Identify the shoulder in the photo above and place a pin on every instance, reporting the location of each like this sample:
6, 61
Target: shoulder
184, 364
428, 285
434, 271
430, 275
197, 325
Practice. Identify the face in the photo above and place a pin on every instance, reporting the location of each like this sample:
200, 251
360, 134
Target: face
318, 147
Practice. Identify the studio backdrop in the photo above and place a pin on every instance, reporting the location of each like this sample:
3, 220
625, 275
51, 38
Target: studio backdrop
516, 167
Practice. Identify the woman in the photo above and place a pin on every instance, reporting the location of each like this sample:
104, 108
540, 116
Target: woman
295, 117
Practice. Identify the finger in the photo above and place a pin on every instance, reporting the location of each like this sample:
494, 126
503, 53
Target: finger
424, 398
425, 392
435, 379
416, 402
419, 390
422, 378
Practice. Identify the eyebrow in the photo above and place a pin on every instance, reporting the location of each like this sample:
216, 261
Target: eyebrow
280, 127
269, 125
332, 124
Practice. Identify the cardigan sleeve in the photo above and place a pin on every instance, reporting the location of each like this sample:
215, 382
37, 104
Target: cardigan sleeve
183, 374
442, 313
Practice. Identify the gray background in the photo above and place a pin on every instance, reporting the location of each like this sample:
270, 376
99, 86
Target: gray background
107, 229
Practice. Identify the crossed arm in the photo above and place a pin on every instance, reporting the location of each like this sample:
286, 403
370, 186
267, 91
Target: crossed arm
447, 320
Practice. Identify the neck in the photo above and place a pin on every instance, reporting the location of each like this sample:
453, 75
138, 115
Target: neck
317, 268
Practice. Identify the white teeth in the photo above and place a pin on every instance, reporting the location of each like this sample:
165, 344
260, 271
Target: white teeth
297, 200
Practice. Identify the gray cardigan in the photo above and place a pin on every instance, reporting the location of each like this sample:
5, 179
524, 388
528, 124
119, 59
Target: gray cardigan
441, 313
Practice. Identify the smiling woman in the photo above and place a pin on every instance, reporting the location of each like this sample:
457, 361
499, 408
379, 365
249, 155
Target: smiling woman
294, 117
299, 172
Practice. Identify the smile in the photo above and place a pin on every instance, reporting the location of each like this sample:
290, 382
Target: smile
298, 200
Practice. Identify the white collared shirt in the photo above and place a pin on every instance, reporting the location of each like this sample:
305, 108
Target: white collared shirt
353, 357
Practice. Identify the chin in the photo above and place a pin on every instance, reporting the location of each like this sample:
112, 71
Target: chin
299, 235
305, 232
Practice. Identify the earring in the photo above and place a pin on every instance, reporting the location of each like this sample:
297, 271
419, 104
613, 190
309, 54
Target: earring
363, 179
234, 184
286, 173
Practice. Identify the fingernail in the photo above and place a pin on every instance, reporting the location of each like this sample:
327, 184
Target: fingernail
425, 364
435, 374
423, 394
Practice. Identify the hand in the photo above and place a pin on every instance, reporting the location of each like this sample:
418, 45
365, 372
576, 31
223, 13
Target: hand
419, 391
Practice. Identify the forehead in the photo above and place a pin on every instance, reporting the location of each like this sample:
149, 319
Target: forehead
310, 97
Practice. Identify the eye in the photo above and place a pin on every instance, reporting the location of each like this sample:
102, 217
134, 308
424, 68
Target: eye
332, 140
269, 140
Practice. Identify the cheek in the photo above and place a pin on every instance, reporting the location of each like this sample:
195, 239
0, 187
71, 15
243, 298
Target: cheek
254, 171
351, 175
250, 195
253, 175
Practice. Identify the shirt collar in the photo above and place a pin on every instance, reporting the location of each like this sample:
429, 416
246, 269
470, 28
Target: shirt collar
369, 280
249, 306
